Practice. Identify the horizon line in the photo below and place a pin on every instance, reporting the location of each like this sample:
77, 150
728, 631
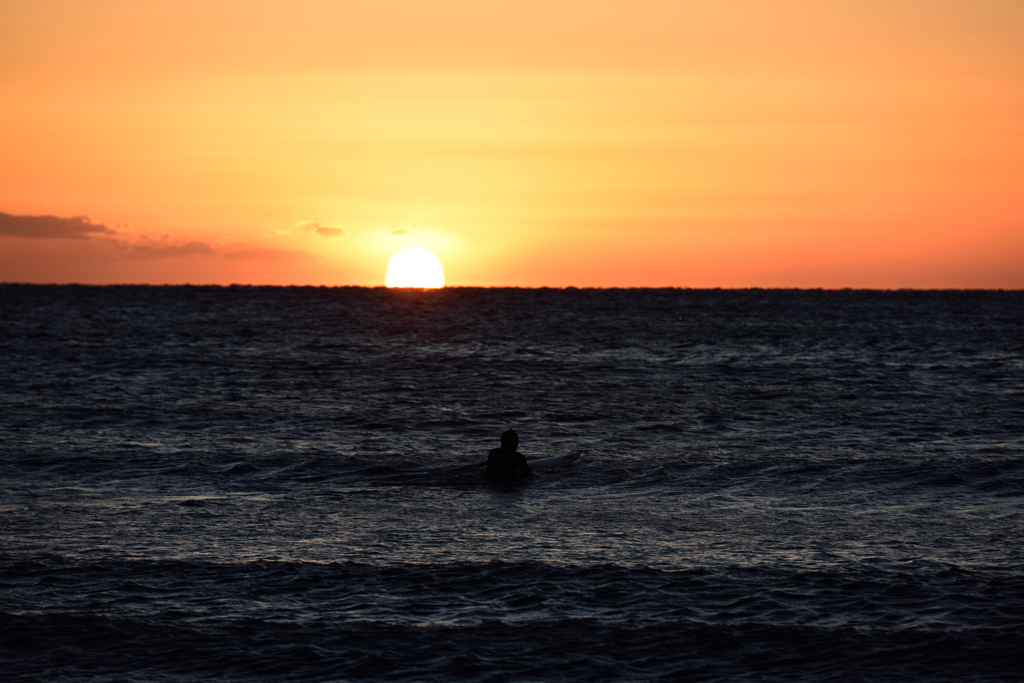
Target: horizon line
541, 287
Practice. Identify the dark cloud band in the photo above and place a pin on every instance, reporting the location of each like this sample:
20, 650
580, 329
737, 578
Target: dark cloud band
81, 228
50, 227
173, 250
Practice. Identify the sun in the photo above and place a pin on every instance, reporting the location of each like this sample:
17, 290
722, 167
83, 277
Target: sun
414, 267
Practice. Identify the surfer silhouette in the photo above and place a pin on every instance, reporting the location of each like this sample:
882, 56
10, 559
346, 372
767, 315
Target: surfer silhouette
503, 463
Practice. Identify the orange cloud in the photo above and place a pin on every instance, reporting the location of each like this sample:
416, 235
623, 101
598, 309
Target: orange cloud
322, 230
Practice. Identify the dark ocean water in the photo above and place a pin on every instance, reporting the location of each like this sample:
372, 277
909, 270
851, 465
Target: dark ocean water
284, 484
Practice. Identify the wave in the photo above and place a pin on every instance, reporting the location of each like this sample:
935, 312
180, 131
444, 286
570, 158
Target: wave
76, 648
915, 594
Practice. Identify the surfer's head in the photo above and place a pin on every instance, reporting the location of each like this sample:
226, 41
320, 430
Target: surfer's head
509, 440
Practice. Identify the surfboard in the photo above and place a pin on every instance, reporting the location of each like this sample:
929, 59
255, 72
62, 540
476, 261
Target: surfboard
557, 461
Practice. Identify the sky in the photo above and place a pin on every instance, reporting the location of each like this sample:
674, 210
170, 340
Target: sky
597, 143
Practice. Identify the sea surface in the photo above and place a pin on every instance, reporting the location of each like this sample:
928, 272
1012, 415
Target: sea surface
285, 484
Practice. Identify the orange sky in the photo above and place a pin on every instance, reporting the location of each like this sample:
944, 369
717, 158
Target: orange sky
772, 143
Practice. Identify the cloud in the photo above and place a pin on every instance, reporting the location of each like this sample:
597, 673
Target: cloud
131, 245
239, 251
416, 229
51, 227
271, 255
405, 229
173, 250
322, 230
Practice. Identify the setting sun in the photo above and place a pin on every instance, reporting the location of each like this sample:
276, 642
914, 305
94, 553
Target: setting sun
414, 267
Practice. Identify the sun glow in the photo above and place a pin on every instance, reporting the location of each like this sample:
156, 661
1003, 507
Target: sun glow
414, 267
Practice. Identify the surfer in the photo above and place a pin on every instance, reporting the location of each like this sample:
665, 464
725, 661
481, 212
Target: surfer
504, 462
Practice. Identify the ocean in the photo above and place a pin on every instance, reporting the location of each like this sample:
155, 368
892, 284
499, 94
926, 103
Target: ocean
285, 484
